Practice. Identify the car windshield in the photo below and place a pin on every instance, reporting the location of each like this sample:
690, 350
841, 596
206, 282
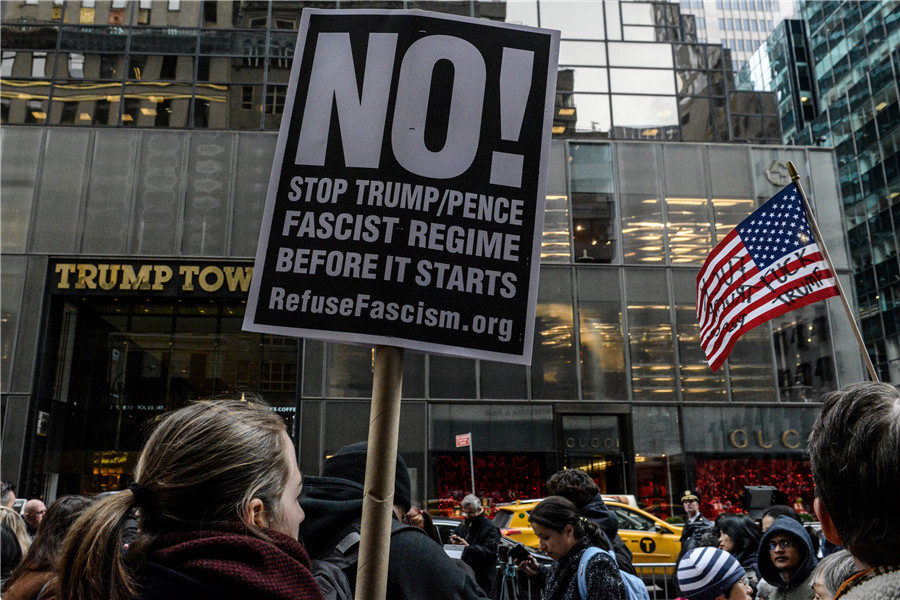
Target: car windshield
502, 518
633, 521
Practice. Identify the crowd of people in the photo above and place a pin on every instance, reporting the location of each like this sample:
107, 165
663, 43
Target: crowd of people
219, 509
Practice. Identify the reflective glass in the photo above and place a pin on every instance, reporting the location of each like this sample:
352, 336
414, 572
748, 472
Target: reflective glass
28, 37
582, 53
501, 380
650, 335
348, 370
587, 79
95, 39
575, 19
555, 246
644, 112
164, 40
157, 190
553, 357
687, 227
642, 226
641, 34
698, 381
622, 54
451, 377
637, 13
602, 343
642, 81
523, 12
592, 112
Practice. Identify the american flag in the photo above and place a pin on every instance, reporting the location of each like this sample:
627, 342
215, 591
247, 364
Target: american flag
768, 265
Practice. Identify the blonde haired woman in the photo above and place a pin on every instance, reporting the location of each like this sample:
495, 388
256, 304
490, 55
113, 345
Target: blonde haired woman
216, 489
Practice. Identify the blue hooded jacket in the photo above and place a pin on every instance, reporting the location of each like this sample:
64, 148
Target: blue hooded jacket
808, 560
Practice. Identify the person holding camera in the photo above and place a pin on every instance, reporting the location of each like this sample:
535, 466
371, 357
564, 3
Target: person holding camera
481, 539
565, 536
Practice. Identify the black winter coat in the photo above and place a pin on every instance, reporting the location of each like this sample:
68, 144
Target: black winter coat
417, 568
483, 538
597, 511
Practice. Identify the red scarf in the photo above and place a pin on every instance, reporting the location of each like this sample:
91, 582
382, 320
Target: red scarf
226, 556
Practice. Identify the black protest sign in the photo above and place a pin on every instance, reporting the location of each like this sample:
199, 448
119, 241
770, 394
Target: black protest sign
406, 200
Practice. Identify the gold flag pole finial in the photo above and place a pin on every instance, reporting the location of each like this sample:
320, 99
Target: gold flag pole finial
815, 227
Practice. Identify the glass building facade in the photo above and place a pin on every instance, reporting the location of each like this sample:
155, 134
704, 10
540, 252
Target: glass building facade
127, 251
853, 51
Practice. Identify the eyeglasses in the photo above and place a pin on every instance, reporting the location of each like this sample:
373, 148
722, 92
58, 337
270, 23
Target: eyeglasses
785, 544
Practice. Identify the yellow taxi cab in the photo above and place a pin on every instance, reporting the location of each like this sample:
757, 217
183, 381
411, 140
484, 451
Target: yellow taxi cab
650, 540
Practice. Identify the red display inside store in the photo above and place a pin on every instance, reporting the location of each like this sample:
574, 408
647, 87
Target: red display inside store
720, 482
499, 478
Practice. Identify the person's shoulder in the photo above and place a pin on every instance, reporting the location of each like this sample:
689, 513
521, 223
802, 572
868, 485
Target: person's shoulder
157, 582
877, 584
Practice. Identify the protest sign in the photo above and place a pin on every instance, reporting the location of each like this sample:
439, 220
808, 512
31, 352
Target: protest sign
406, 201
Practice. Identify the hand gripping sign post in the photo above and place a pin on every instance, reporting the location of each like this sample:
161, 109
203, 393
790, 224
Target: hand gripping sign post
406, 203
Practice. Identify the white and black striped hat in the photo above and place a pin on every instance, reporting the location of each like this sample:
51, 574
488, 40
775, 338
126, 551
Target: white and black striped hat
705, 573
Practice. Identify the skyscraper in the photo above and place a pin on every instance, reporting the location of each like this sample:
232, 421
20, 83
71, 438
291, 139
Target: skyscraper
740, 25
835, 73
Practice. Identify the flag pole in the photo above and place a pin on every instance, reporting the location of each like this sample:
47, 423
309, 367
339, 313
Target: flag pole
815, 227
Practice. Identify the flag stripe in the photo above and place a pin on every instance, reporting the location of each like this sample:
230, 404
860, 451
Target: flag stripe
755, 284
784, 308
767, 301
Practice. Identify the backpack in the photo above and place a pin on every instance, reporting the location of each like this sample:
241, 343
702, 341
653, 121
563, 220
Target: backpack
634, 587
331, 568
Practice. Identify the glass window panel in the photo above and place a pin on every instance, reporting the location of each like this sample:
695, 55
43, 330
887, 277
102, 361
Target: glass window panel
692, 83
19, 172
12, 277
56, 217
413, 375
94, 39
613, 21
207, 196
555, 246
164, 40
28, 37
642, 81
592, 202
698, 381
729, 212
575, 19
642, 34
582, 53
602, 341
688, 230
644, 111
650, 335
637, 13
503, 380
732, 171
250, 185
622, 54
642, 225
750, 367
107, 208
553, 358
690, 56
348, 371
588, 79
451, 377
157, 192
592, 113
313, 368
523, 12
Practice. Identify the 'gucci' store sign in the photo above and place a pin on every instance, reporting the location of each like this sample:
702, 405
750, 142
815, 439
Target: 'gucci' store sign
748, 429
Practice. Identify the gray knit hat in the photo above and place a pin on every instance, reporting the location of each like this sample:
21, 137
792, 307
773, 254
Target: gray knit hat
705, 573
